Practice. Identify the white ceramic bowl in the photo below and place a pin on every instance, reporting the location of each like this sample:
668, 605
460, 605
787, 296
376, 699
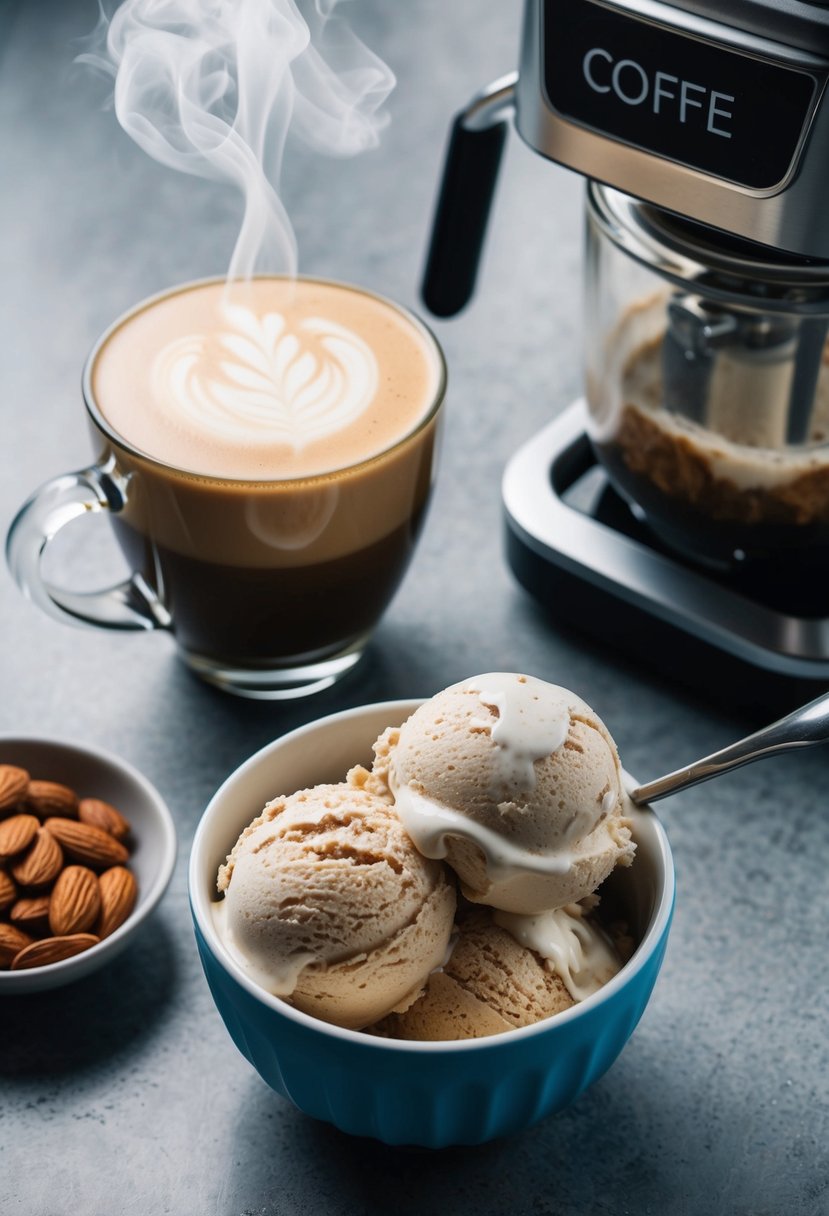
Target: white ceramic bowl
94, 773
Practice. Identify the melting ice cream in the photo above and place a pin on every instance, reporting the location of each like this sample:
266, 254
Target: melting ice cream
341, 898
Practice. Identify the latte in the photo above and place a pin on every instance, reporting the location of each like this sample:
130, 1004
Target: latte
275, 443
268, 379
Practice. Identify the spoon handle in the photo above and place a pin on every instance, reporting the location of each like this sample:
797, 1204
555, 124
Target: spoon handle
805, 726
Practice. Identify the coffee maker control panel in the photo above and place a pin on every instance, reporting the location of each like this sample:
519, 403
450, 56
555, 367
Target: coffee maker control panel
711, 106
722, 119
716, 113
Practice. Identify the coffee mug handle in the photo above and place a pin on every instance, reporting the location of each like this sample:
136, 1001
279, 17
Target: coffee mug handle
129, 605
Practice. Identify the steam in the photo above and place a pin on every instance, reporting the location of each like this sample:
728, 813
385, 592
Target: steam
214, 88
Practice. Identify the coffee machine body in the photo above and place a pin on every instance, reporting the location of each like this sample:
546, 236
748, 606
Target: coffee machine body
714, 112
703, 132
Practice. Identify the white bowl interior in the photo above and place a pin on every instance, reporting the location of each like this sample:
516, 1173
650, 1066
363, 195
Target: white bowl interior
94, 773
323, 751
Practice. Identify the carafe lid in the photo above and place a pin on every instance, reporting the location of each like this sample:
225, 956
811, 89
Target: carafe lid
715, 264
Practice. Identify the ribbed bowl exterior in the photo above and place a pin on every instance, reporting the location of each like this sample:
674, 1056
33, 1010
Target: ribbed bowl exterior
404, 1096
428, 1094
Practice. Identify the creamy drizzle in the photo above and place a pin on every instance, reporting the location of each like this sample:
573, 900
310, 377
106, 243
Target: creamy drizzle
575, 948
530, 726
431, 824
281, 975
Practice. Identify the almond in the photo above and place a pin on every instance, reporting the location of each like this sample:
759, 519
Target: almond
86, 844
31, 915
51, 798
118, 893
75, 902
8, 891
13, 785
52, 950
41, 863
12, 941
103, 815
16, 834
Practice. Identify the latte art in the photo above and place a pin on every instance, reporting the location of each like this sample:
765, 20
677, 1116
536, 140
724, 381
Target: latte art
261, 380
266, 380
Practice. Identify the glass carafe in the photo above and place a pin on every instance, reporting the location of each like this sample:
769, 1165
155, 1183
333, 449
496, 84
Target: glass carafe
708, 392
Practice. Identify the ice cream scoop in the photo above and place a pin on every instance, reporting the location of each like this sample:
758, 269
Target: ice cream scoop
328, 904
489, 984
517, 784
495, 980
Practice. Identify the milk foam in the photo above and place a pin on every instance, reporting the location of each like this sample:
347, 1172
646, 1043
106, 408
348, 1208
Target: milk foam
269, 380
263, 380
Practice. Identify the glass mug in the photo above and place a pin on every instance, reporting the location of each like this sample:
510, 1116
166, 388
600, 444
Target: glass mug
270, 582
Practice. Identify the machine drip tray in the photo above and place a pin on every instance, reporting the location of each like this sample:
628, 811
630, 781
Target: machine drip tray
576, 546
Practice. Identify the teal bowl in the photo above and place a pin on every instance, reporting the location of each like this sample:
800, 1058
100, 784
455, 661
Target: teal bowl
429, 1094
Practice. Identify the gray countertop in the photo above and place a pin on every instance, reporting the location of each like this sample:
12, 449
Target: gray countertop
124, 1091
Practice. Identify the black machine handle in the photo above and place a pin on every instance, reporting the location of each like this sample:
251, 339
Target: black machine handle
465, 199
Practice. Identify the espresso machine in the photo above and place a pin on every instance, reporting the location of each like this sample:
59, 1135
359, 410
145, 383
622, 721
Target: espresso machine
681, 509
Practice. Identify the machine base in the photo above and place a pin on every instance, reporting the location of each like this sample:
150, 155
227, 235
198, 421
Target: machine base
578, 548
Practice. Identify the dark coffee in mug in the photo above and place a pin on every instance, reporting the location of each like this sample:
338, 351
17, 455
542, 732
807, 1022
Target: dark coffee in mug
275, 441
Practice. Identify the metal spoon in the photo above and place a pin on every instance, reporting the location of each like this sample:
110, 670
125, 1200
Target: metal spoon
805, 726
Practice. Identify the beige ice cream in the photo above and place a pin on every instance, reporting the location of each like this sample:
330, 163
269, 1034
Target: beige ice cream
517, 784
328, 903
336, 898
492, 983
